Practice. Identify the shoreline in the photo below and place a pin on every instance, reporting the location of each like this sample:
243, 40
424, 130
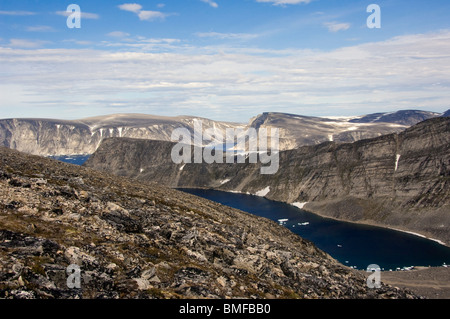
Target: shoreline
302, 207
373, 223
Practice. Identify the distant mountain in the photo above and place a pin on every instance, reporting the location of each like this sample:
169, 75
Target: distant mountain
404, 117
297, 130
399, 180
446, 114
52, 137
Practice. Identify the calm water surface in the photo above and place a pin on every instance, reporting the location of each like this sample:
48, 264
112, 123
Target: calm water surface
352, 244
72, 159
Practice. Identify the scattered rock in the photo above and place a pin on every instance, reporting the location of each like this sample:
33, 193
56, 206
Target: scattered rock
137, 240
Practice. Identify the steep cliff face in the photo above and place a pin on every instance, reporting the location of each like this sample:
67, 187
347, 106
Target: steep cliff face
399, 180
47, 137
57, 137
139, 240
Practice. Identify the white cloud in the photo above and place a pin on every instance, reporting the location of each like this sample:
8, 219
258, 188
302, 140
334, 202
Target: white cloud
227, 36
284, 2
132, 7
40, 28
151, 15
17, 13
118, 34
211, 3
146, 15
84, 15
336, 26
79, 42
25, 43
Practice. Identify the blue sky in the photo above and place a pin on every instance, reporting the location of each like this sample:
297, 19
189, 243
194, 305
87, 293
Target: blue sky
222, 59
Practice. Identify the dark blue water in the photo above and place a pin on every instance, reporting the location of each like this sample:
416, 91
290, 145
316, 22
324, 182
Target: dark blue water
72, 159
352, 244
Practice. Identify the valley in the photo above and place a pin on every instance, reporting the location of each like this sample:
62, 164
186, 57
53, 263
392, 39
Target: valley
396, 180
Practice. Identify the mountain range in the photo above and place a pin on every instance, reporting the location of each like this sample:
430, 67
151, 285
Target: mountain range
52, 137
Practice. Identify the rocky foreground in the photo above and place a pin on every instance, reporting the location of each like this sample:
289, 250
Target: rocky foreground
137, 240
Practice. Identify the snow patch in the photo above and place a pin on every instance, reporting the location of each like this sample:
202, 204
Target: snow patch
299, 205
182, 166
263, 192
224, 181
397, 158
141, 170
330, 137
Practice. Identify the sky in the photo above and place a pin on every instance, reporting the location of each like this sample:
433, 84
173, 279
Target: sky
226, 60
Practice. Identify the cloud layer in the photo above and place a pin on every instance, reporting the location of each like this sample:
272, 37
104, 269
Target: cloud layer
171, 77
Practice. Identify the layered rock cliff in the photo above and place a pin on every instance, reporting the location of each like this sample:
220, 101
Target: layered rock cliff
142, 240
398, 180
49, 137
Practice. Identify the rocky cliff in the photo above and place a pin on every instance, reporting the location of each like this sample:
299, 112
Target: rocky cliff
59, 137
49, 137
142, 240
398, 180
